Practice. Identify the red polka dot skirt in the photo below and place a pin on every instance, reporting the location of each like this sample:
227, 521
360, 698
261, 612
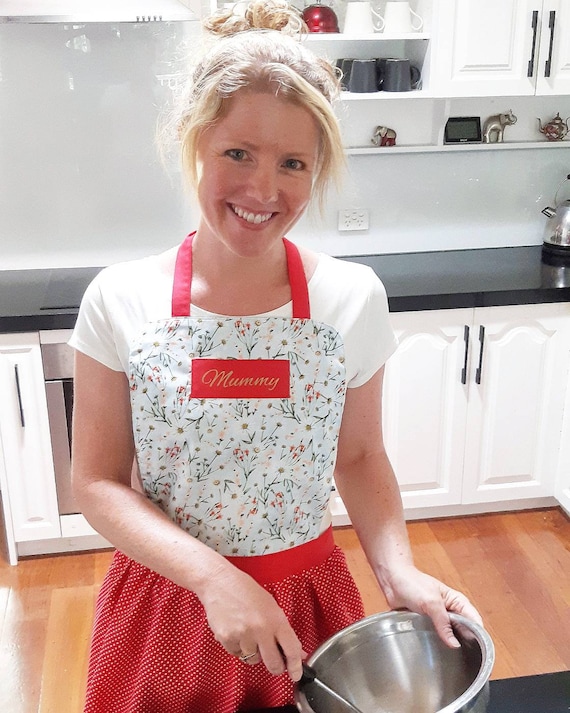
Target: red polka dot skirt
152, 650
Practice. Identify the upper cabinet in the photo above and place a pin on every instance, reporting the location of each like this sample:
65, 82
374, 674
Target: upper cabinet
506, 48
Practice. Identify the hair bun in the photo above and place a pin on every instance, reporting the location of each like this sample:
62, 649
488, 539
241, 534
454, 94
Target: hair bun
276, 15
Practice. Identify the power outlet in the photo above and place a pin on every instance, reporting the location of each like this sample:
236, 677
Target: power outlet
352, 219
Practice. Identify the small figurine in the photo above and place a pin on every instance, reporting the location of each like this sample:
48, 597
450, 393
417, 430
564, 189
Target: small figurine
494, 128
555, 130
384, 136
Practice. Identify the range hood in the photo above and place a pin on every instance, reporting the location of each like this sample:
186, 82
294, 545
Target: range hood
80, 11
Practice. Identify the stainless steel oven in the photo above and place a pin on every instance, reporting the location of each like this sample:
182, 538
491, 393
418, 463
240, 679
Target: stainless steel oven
57, 357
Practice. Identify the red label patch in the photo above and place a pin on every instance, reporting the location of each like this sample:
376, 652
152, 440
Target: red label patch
240, 379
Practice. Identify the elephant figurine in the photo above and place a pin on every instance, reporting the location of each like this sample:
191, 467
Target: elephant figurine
384, 136
494, 127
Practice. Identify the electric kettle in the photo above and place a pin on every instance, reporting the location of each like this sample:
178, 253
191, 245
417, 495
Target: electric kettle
320, 18
557, 232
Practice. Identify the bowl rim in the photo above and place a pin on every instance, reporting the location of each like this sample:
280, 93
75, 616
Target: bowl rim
483, 639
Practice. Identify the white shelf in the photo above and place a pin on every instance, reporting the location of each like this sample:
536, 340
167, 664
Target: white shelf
338, 37
385, 96
505, 146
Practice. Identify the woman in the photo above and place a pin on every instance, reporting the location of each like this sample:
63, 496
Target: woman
239, 373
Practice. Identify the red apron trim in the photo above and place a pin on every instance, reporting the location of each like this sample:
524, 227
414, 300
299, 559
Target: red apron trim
182, 279
298, 282
240, 379
181, 295
277, 566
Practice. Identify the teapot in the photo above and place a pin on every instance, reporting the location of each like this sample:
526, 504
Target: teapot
556, 129
320, 18
558, 228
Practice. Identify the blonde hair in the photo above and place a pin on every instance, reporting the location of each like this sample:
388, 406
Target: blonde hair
261, 51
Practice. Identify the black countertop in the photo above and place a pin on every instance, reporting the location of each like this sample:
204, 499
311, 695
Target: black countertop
469, 278
49, 299
546, 693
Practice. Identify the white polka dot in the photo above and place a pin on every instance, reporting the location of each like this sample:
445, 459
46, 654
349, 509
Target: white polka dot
152, 650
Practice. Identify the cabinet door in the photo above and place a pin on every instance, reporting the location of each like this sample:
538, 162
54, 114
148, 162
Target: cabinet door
516, 402
484, 47
25, 443
562, 485
553, 70
425, 403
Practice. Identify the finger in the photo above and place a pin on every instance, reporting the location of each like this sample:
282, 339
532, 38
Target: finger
272, 657
458, 603
249, 653
250, 659
442, 623
292, 655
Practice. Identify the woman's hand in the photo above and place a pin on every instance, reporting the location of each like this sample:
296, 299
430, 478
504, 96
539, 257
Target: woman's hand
246, 620
412, 589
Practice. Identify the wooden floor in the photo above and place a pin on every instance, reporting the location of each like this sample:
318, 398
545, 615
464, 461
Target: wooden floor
515, 567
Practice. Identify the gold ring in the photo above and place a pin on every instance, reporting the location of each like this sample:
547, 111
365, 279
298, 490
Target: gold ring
244, 658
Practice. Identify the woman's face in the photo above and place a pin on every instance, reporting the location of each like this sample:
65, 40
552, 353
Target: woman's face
255, 171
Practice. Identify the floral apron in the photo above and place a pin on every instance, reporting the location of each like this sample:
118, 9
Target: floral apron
236, 422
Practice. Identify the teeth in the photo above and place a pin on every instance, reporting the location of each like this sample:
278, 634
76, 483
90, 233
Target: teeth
255, 218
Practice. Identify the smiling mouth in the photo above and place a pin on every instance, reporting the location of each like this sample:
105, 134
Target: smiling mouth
253, 218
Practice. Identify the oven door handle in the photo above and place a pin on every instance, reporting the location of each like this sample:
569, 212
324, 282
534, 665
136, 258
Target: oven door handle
59, 416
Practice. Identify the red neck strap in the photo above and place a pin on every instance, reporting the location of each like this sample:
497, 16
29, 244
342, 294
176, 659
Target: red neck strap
181, 291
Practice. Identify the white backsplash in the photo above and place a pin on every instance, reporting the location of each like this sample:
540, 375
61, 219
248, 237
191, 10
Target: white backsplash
81, 184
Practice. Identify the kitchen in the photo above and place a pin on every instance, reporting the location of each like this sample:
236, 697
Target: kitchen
434, 199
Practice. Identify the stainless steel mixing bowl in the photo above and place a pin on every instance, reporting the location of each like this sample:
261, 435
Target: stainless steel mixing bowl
396, 663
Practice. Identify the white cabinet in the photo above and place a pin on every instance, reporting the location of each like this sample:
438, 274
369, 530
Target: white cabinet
516, 407
26, 468
562, 485
507, 48
425, 403
474, 404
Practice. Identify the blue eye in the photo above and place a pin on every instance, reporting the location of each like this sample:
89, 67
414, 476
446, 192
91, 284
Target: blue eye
236, 154
294, 164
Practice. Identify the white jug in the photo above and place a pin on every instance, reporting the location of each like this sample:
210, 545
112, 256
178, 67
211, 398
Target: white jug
400, 19
362, 18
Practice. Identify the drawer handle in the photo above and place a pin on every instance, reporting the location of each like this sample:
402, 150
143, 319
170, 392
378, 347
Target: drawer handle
481, 343
19, 392
534, 25
465, 358
551, 23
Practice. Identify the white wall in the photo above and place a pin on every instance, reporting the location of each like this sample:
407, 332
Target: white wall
81, 184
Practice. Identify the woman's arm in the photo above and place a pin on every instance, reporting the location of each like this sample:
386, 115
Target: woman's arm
368, 487
242, 615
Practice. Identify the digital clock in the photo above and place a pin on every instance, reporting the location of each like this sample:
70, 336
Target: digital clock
463, 130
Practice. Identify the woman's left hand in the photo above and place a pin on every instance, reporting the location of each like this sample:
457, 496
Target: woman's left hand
409, 588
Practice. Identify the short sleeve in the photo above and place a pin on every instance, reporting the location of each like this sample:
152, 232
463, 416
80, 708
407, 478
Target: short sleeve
93, 334
352, 298
373, 340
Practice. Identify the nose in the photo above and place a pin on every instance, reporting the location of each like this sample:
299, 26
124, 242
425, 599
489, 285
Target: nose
263, 183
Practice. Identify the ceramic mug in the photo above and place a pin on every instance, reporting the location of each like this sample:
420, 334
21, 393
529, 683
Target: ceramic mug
362, 18
400, 19
238, 8
397, 75
363, 76
345, 66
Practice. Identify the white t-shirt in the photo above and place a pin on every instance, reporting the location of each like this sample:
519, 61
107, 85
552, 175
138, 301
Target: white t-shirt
124, 297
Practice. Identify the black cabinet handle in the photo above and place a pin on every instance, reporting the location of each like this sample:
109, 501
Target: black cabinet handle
534, 25
465, 358
481, 343
551, 23
18, 391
